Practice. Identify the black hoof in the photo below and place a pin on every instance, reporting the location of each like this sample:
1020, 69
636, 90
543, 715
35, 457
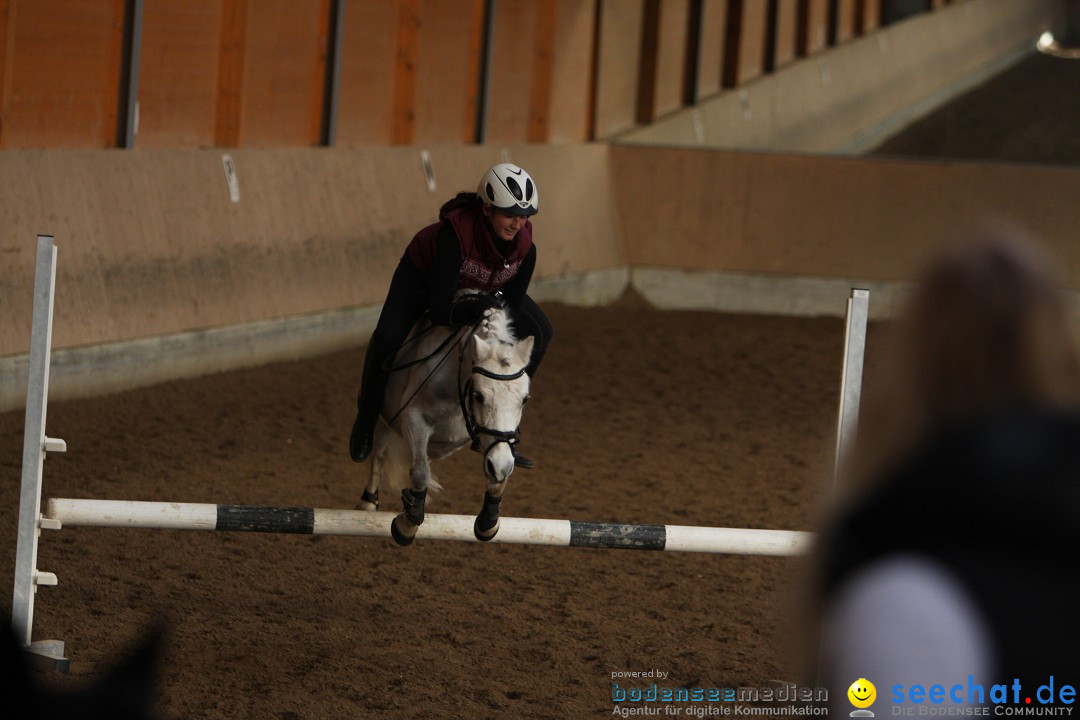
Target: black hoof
485, 535
399, 537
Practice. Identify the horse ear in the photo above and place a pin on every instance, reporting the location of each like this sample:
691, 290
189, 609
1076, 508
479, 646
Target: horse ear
523, 350
481, 350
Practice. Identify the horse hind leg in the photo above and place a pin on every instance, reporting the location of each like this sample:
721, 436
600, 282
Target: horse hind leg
369, 500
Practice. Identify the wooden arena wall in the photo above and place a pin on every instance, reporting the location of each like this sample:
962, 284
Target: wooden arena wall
791, 234
280, 73
164, 273
153, 242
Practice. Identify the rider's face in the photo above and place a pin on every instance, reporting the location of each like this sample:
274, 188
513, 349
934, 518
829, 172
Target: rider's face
505, 225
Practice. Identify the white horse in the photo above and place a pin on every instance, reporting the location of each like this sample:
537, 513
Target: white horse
449, 387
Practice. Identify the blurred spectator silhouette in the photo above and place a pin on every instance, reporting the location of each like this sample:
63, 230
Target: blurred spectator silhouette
953, 560
126, 691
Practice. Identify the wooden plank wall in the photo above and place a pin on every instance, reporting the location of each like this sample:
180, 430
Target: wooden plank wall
712, 32
253, 73
569, 99
67, 99
284, 47
813, 26
179, 74
786, 22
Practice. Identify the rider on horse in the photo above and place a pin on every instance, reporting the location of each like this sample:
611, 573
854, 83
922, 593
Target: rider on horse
482, 241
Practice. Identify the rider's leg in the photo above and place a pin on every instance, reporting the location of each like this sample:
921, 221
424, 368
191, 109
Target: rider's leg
528, 319
369, 400
406, 300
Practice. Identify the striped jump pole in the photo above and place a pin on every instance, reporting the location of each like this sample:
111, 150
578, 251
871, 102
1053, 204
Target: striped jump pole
63, 512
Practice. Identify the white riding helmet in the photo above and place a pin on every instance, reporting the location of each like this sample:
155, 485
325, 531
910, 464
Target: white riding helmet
508, 188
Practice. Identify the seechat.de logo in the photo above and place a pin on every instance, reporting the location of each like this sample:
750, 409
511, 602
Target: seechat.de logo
862, 695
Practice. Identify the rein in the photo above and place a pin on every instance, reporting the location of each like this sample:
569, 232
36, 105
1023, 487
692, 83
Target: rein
418, 361
446, 344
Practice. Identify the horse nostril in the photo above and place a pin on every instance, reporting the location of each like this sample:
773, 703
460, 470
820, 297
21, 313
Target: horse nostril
489, 467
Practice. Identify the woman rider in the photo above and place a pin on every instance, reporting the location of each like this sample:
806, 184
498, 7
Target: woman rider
482, 241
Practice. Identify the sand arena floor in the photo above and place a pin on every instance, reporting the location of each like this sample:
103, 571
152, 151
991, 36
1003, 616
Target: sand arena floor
638, 415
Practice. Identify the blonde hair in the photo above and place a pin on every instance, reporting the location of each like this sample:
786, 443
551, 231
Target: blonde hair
986, 328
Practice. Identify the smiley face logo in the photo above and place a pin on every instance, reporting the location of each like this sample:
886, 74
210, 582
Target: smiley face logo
862, 693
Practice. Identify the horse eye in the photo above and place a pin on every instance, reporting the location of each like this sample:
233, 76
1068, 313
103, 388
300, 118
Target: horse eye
478, 397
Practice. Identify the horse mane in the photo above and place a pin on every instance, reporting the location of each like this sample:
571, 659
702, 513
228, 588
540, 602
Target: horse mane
497, 327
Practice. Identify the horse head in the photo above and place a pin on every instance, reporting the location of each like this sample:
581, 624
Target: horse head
495, 393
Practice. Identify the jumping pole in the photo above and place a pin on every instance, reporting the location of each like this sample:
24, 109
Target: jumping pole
66, 512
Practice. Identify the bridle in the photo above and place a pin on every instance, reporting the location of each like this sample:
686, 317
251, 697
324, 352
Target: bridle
465, 395
465, 399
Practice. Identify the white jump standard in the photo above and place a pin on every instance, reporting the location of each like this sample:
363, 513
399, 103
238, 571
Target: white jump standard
367, 523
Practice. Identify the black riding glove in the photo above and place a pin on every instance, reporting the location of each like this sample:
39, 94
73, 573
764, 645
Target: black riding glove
469, 308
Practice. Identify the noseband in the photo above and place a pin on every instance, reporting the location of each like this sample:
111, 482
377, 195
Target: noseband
465, 397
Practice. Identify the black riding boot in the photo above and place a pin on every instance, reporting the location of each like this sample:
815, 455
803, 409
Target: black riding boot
520, 460
372, 389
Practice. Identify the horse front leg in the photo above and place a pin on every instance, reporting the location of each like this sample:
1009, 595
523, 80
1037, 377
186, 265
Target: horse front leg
498, 464
487, 522
405, 525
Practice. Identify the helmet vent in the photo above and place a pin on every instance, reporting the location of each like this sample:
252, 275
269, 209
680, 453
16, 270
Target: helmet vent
513, 187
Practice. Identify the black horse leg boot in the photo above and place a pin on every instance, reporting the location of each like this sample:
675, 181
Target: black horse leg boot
372, 388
